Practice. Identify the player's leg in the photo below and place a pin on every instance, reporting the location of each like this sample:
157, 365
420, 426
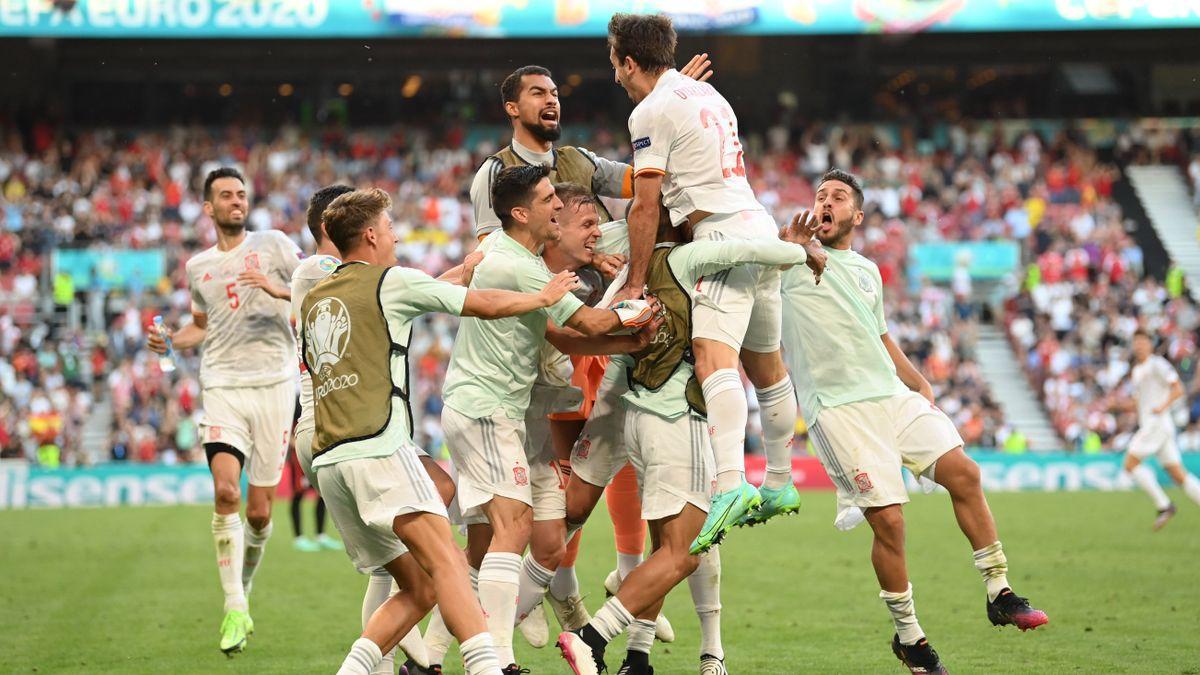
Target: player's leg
629, 531
640, 594
269, 412
391, 620
380, 587
563, 592
437, 636
705, 587
441, 479
641, 631
547, 547
225, 463
500, 569
1145, 443
1185, 480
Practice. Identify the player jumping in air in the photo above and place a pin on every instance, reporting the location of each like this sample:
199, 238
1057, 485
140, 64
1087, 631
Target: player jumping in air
871, 412
1156, 387
687, 153
239, 291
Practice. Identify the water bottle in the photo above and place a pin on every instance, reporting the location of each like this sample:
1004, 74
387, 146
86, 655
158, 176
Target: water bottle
166, 362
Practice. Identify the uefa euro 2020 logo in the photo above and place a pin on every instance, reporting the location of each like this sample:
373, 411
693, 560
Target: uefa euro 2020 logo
327, 328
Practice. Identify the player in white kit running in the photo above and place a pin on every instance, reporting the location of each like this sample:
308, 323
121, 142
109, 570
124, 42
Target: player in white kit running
686, 153
240, 296
1156, 387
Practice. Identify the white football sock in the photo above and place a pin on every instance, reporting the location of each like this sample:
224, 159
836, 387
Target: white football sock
380, 587
479, 656
641, 636
626, 563
228, 534
611, 620
705, 584
363, 657
256, 544
904, 615
499, 579
992, 564
777, 412
531, 587
1191, 487
564, 584
725, 399
1144, 477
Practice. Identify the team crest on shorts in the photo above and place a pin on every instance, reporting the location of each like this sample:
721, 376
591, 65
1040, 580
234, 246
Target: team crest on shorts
520, 476
864, 482
583, 448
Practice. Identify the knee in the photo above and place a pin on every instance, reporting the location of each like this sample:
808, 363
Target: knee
888, 524
686, 564
964, 481
424, 597
508, 533
228, 495
550, 555
258, 516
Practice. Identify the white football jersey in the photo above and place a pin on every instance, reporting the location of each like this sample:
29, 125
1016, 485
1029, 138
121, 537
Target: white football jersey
249, 342
1152, 380
304, 278
687, 131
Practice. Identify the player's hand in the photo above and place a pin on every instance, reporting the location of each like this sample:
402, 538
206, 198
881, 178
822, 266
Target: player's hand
629, 293
469, 263
1160, 410
255, 279
155, 341
646, 335
817, 257
699, 68
802, 229
609, 264
564, 282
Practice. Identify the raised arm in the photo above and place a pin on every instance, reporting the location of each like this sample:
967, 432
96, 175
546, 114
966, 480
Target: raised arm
907, 372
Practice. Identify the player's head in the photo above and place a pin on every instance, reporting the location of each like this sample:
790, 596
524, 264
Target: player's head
578, 225
838, 207
317, 205
640, 47
359, 226
225, 199
524, 198
530, 99
1143, 344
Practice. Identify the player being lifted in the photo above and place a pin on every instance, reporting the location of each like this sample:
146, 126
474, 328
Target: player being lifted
668, 443
871, 412
239, 291
1156, 387
356, 326
686, 153
492, 370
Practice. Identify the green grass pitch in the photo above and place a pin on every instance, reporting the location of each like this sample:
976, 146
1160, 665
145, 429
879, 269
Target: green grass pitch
135, 590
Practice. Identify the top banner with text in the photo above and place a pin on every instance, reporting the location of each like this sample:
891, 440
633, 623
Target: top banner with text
567, 18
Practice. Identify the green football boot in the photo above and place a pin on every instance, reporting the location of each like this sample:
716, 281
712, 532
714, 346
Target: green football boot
235, 628
775, 502
727, 510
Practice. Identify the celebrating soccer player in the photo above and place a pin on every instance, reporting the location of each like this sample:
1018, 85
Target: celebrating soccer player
239, 291
871, 412
687, 153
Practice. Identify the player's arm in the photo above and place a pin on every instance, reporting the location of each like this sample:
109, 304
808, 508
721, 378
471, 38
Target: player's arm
643, 226
571, 342
907, 372
186, 337
629, 314
498, 304
1175, 394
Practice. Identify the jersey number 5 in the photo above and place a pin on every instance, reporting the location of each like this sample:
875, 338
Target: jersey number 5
234, 301
731, 158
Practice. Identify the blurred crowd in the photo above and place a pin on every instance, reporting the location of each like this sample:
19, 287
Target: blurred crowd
141, 190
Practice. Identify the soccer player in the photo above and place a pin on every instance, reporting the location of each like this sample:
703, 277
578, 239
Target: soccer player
666, 434
355, 329
492, 369
870, 412
530, 99
687, 154
1156, 387
240, 315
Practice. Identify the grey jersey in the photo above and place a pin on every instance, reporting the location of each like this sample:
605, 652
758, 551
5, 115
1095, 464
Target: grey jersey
249, 341
608, 181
